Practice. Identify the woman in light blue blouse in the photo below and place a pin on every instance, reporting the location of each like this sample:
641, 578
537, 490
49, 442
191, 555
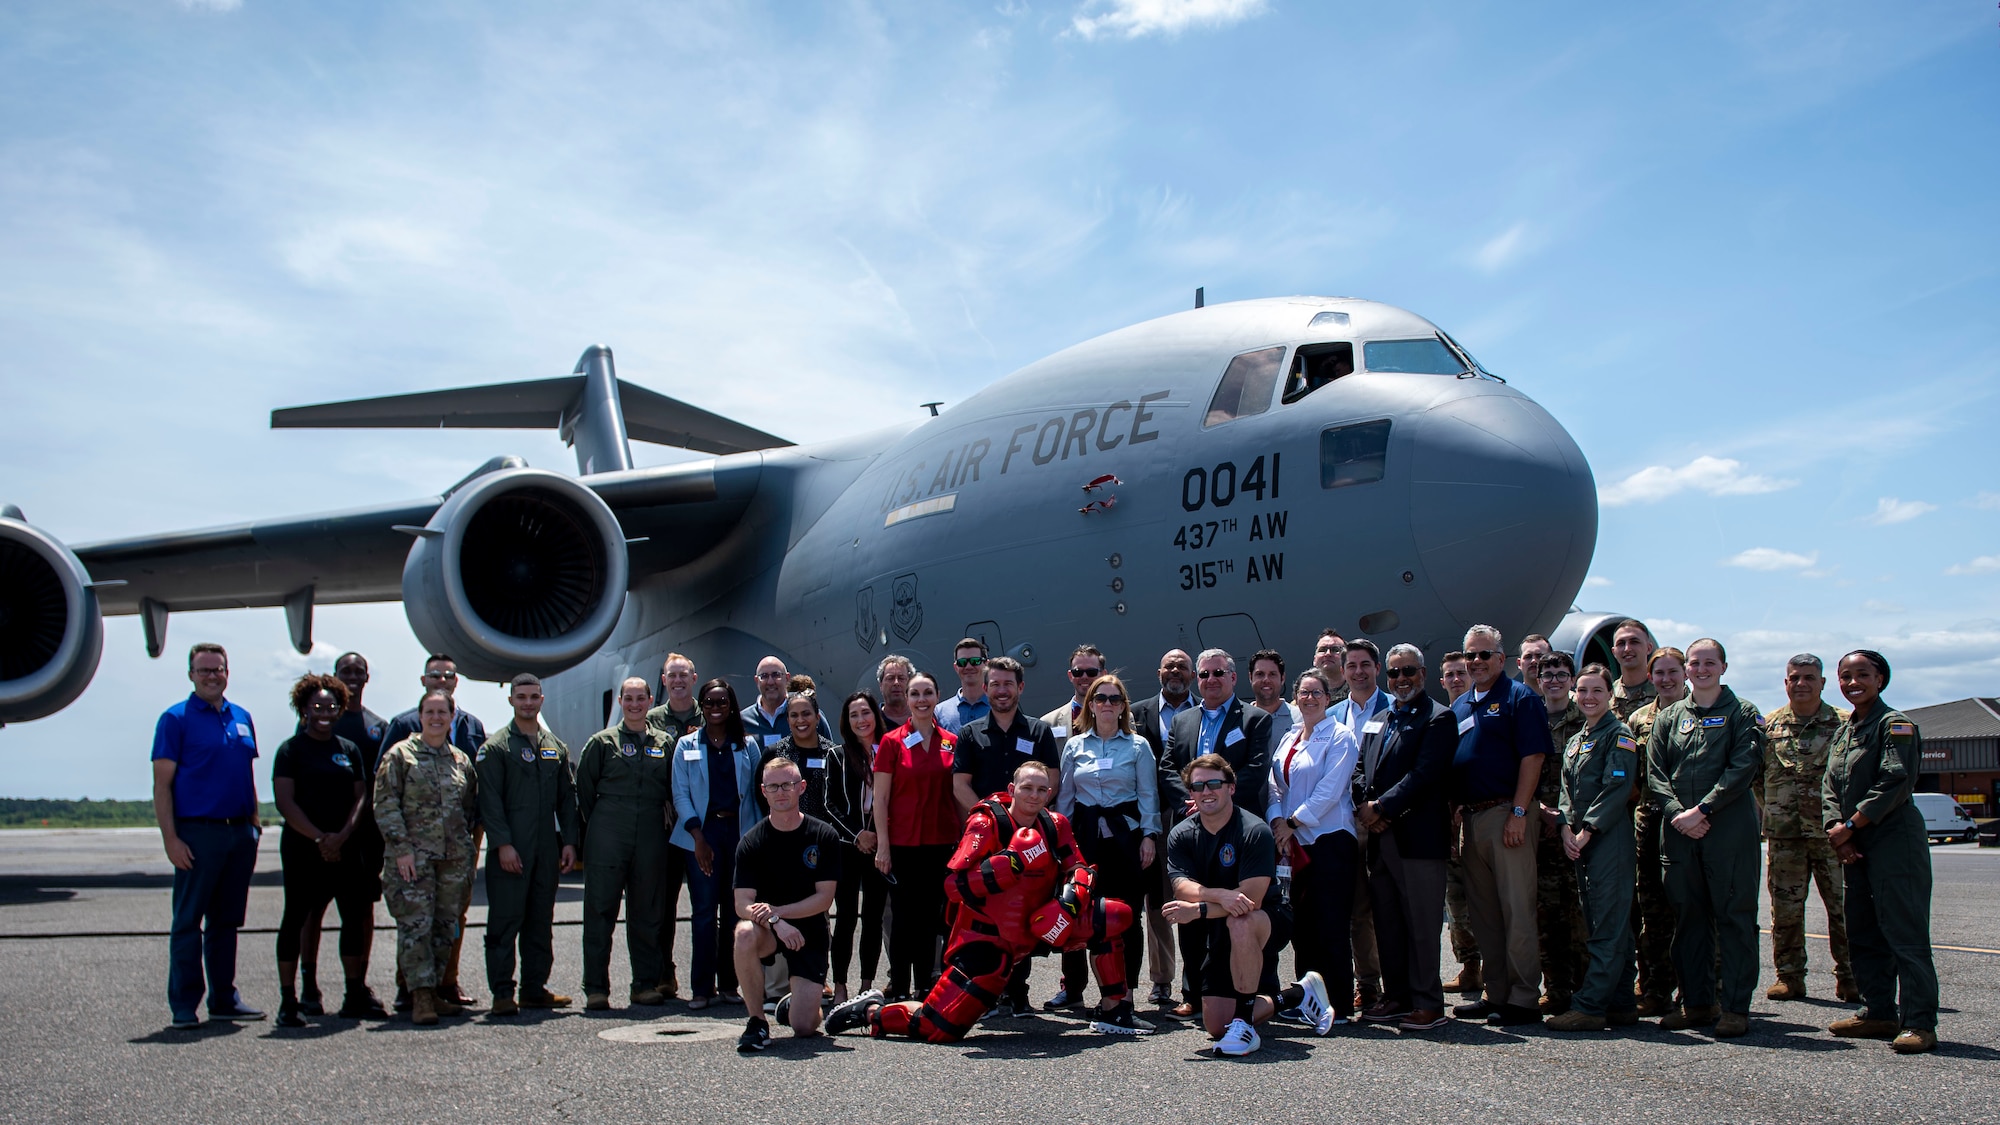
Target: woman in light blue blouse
1312, 816
1110, 791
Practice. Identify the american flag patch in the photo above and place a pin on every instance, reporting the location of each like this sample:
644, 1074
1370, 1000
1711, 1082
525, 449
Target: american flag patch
1627, 743
1904, 730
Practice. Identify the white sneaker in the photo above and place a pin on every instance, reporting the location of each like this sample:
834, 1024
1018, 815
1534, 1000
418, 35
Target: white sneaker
1315, 1010
1239, 1040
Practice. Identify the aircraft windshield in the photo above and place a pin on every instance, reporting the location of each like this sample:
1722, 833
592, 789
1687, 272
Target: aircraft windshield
1316, 365
1246, 386
1415, 357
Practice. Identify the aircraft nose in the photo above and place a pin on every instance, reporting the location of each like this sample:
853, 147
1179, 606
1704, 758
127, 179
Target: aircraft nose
1503, 509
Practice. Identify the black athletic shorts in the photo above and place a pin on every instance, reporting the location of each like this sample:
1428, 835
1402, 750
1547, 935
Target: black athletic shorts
1214, 972
809, 960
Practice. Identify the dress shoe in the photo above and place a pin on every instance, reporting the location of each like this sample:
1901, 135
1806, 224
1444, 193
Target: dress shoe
1185, 1010
456, 995
1688, 1017
1477, 1010
597, 1001
1513, 1015
1732, 1025
543, 998
1424, 1019
647, 997
362, 1004
1624, 1017
1787, 988
1062, 999
504, 1005
1914, 1041
1162, 995
1386, 1011
1574, 1020
1861, 1027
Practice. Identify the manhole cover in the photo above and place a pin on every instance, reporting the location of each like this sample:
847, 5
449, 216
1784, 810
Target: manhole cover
669, 1031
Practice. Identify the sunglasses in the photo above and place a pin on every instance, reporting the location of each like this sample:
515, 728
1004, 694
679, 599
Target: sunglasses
1214, 673
720, 704
1085, 673
1404, 674
969, 661
1100, 697
1212, 785
1483, 654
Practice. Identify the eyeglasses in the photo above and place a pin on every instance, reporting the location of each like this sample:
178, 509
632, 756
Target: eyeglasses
1100, 697
781, 786
719, 704
1555, 674
1309, 693
1212, 785
1085, 673
1482, 654
1403, 674
1214, 673
770, 675
969, 661
208, 671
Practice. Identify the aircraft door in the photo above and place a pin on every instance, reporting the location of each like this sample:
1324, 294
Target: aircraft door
1233, 633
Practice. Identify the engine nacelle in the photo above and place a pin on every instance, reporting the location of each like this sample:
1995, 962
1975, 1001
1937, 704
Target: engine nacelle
1587, 637
521, 570
51, 633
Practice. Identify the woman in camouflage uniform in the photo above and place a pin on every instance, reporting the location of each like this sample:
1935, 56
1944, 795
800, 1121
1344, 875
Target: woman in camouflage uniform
426, 802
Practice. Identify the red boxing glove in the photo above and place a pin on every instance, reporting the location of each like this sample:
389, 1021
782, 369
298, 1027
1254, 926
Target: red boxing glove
1053, 924
1036, 858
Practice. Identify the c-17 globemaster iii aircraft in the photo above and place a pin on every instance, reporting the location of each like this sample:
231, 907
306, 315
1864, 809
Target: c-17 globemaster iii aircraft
1235, 476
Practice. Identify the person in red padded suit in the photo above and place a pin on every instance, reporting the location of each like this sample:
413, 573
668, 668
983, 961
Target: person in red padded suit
1017, 885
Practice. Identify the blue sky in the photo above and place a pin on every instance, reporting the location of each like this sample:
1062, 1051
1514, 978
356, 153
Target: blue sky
1745, 252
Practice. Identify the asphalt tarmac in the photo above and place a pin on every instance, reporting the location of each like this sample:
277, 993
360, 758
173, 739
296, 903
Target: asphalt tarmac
83, 1032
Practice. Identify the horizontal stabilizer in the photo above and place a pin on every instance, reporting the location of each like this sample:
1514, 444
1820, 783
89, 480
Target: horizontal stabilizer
540, 404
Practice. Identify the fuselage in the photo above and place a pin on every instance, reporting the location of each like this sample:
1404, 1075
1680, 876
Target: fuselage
1280, 466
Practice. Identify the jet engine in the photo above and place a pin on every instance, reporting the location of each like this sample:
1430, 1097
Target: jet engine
1587, 637
521, 570
51, 634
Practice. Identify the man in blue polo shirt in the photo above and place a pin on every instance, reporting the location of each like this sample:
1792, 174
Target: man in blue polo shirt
205, 797
1503, 735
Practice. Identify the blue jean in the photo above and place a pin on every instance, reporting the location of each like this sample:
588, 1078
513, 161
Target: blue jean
712, 899
209, 901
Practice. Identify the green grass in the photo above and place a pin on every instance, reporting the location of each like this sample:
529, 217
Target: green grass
21, 812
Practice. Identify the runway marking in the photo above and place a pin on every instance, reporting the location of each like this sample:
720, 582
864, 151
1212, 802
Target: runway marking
1934, 945
669, 1031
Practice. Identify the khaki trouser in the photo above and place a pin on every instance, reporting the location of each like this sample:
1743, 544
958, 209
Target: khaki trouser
1501, 884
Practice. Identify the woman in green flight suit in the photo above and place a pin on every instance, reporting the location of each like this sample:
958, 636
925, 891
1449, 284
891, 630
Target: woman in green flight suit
1600, 767
1878, 832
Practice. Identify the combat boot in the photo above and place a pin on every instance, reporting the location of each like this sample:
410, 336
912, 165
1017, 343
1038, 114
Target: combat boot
1689, 1017
1914, 1041
423, 1007
1467, 981
1787, 988
1574, 1020
1731, 1025
445, 1007
1653, 1004
1858, 1026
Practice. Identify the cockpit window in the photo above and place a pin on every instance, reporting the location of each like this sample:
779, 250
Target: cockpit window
1415, 357
1356, 454
1316, 365
1246, 386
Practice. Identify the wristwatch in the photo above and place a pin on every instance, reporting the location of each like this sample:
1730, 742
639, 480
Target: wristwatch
1705, 810
1204, 911
1519, 811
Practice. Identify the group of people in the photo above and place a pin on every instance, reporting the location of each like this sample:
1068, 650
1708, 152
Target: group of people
1593, 837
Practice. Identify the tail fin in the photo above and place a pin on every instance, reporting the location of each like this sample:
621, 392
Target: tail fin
595, 411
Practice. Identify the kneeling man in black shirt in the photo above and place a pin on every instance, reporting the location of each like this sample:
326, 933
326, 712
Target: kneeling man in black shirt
1223, 864
787, 868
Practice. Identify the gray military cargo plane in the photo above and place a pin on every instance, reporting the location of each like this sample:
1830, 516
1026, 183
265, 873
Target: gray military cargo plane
1236, 476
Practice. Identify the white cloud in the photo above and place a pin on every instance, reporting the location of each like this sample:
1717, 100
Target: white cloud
1771, 558
1505, 248
1131, 19
208, 5
1717, 476
1873, 605
1597, 581
1668, 631
1986, 501
1890, 510
1984, 564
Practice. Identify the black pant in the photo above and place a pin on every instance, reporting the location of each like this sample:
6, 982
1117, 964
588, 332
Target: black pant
312, 882
1323, 898
1118, 876
860, 897
917, 897
673, 875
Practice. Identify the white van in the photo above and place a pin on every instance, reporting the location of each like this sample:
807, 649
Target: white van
1945, 820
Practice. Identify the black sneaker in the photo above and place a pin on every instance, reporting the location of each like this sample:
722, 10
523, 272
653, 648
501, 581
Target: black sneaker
186, 1023
288, 1015
238, 1012
756, 1036
311, 1002
362, 1004
1062, 999
855, 1013
1120, 1021
1513, 1015
1477, 1010
783, 1012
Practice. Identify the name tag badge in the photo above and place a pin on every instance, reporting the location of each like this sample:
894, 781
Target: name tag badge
1373, 726
1233, 737
550, 754
691, 755
773, 739
1714, 720
815, 763
1024, 746
1617, 773
243, 730
1284, 871
656, 751
1059, 732
1465, 724
913, 739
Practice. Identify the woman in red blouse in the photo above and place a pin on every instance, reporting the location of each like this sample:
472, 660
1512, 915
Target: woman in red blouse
918, 817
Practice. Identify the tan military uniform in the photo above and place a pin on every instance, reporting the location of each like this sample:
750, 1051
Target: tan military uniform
426, 802
1789, 792
1627, 700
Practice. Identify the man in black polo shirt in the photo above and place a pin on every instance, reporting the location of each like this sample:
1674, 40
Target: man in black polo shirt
787, 869
1503, 735
1224, 865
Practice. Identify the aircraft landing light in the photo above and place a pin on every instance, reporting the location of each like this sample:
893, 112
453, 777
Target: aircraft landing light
931, 507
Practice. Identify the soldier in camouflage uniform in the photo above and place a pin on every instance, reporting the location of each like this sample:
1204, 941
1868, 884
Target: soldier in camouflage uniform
1455, 679
1788, 790
1632, 647
527, 799
1565, 933
1652, 915
426, 802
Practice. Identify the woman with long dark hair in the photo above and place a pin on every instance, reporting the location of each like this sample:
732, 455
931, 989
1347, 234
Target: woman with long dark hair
863, 894
320, 783
715, 802
917, 814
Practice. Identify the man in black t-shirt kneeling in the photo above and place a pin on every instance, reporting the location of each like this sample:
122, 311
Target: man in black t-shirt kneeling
1222, 864
787, 868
